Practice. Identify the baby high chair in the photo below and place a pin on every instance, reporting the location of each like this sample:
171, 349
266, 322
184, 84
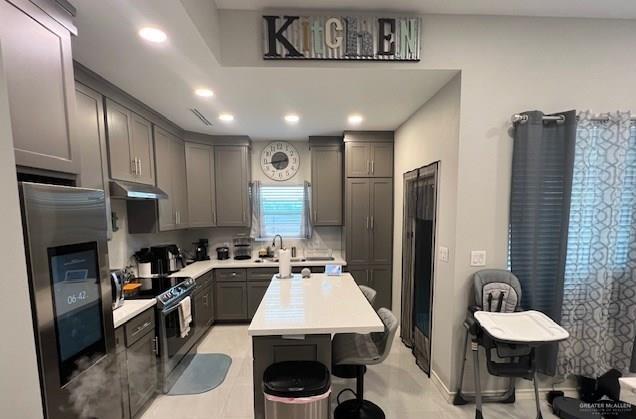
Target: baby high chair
508, 335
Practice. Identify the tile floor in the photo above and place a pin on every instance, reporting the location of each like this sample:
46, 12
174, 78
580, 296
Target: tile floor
396, 385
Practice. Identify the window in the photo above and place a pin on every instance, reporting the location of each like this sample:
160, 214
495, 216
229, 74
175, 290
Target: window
283, 211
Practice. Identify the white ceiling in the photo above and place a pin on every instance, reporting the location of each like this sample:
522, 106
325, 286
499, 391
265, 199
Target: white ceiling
164, 77
616, 9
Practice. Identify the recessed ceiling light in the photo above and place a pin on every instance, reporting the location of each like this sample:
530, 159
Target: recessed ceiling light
355, 119
226, 117
154, 35
292, 118
202, 92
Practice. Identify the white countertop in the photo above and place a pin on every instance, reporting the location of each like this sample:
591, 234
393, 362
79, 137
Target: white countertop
197, 269
317, 305
130, 309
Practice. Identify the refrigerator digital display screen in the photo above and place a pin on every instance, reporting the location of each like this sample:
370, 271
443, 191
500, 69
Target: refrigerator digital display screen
77, 306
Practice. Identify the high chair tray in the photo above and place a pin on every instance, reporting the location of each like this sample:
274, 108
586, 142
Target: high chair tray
528, 327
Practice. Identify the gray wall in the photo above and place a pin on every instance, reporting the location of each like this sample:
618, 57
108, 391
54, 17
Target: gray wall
19, 382
434, 131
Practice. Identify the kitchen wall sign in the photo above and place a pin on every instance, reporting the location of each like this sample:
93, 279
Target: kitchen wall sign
364, 38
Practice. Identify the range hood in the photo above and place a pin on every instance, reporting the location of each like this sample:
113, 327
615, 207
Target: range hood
130, 190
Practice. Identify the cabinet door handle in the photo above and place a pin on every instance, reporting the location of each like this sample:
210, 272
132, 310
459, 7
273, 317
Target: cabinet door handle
140, 328
155, 345
368, 166
139, 166
367, 272
372, 223
133, 166
372, 166
176, 217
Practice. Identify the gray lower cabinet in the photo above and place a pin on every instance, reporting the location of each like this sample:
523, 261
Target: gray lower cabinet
232, 177
142, 372
230, 301
91, 137
130, 145
369, 220
136, 354
37, 60
255, 293
203, 304
170, 160
326, 183
378, 277
201, 194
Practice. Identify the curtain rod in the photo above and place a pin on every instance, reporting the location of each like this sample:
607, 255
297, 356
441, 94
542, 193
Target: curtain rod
519, 118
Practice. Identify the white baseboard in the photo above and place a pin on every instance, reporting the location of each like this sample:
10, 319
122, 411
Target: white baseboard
521, 393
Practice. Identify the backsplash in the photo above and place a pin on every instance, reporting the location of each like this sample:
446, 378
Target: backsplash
124, 245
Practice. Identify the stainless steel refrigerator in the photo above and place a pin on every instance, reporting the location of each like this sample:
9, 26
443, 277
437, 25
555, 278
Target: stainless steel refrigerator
67, 258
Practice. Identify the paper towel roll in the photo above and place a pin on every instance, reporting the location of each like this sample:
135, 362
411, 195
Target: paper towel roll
284, 263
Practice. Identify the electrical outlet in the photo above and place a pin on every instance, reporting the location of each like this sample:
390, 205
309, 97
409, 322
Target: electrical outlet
478, 258
443, 253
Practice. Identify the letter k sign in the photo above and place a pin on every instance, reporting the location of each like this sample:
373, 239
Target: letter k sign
274, 35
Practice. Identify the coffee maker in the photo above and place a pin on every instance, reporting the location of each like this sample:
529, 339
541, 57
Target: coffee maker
166, 259
201, 250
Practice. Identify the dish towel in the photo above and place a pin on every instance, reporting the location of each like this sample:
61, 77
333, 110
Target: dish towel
185, 316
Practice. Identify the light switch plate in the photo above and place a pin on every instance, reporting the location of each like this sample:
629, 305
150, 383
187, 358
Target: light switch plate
478, 258
443, 253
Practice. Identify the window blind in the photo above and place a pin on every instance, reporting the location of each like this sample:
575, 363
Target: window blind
282, 211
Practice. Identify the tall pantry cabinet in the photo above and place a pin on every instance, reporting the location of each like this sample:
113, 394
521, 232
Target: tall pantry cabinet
369, 210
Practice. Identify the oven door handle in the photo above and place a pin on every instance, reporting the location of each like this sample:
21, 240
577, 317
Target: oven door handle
169, 310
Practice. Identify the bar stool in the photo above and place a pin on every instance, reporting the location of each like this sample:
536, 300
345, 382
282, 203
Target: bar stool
357, 350
369, 293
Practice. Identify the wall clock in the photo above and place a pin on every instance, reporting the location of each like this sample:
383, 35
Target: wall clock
280, 160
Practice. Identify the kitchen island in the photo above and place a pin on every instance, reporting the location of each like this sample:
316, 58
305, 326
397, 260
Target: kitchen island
297, 318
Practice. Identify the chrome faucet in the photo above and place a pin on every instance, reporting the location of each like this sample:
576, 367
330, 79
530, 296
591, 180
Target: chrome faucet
274, 241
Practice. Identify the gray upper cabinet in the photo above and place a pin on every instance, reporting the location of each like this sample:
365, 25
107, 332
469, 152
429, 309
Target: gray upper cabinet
36, 51
369, 153
122, 167
171, 178
382, 159
369, 159
231, 165
358, 159
92, 141
201, 194
326, 184
142, 149
369, 220
130, 145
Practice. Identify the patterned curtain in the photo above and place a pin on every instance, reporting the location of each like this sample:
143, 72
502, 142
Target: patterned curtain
257, 216
599, 303
307, 224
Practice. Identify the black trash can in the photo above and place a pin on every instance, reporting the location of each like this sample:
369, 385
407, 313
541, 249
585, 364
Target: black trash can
297, 390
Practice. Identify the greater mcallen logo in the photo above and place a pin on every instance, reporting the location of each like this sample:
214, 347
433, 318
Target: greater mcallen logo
342, 38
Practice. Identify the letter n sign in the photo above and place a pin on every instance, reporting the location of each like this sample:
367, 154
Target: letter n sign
275, 36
